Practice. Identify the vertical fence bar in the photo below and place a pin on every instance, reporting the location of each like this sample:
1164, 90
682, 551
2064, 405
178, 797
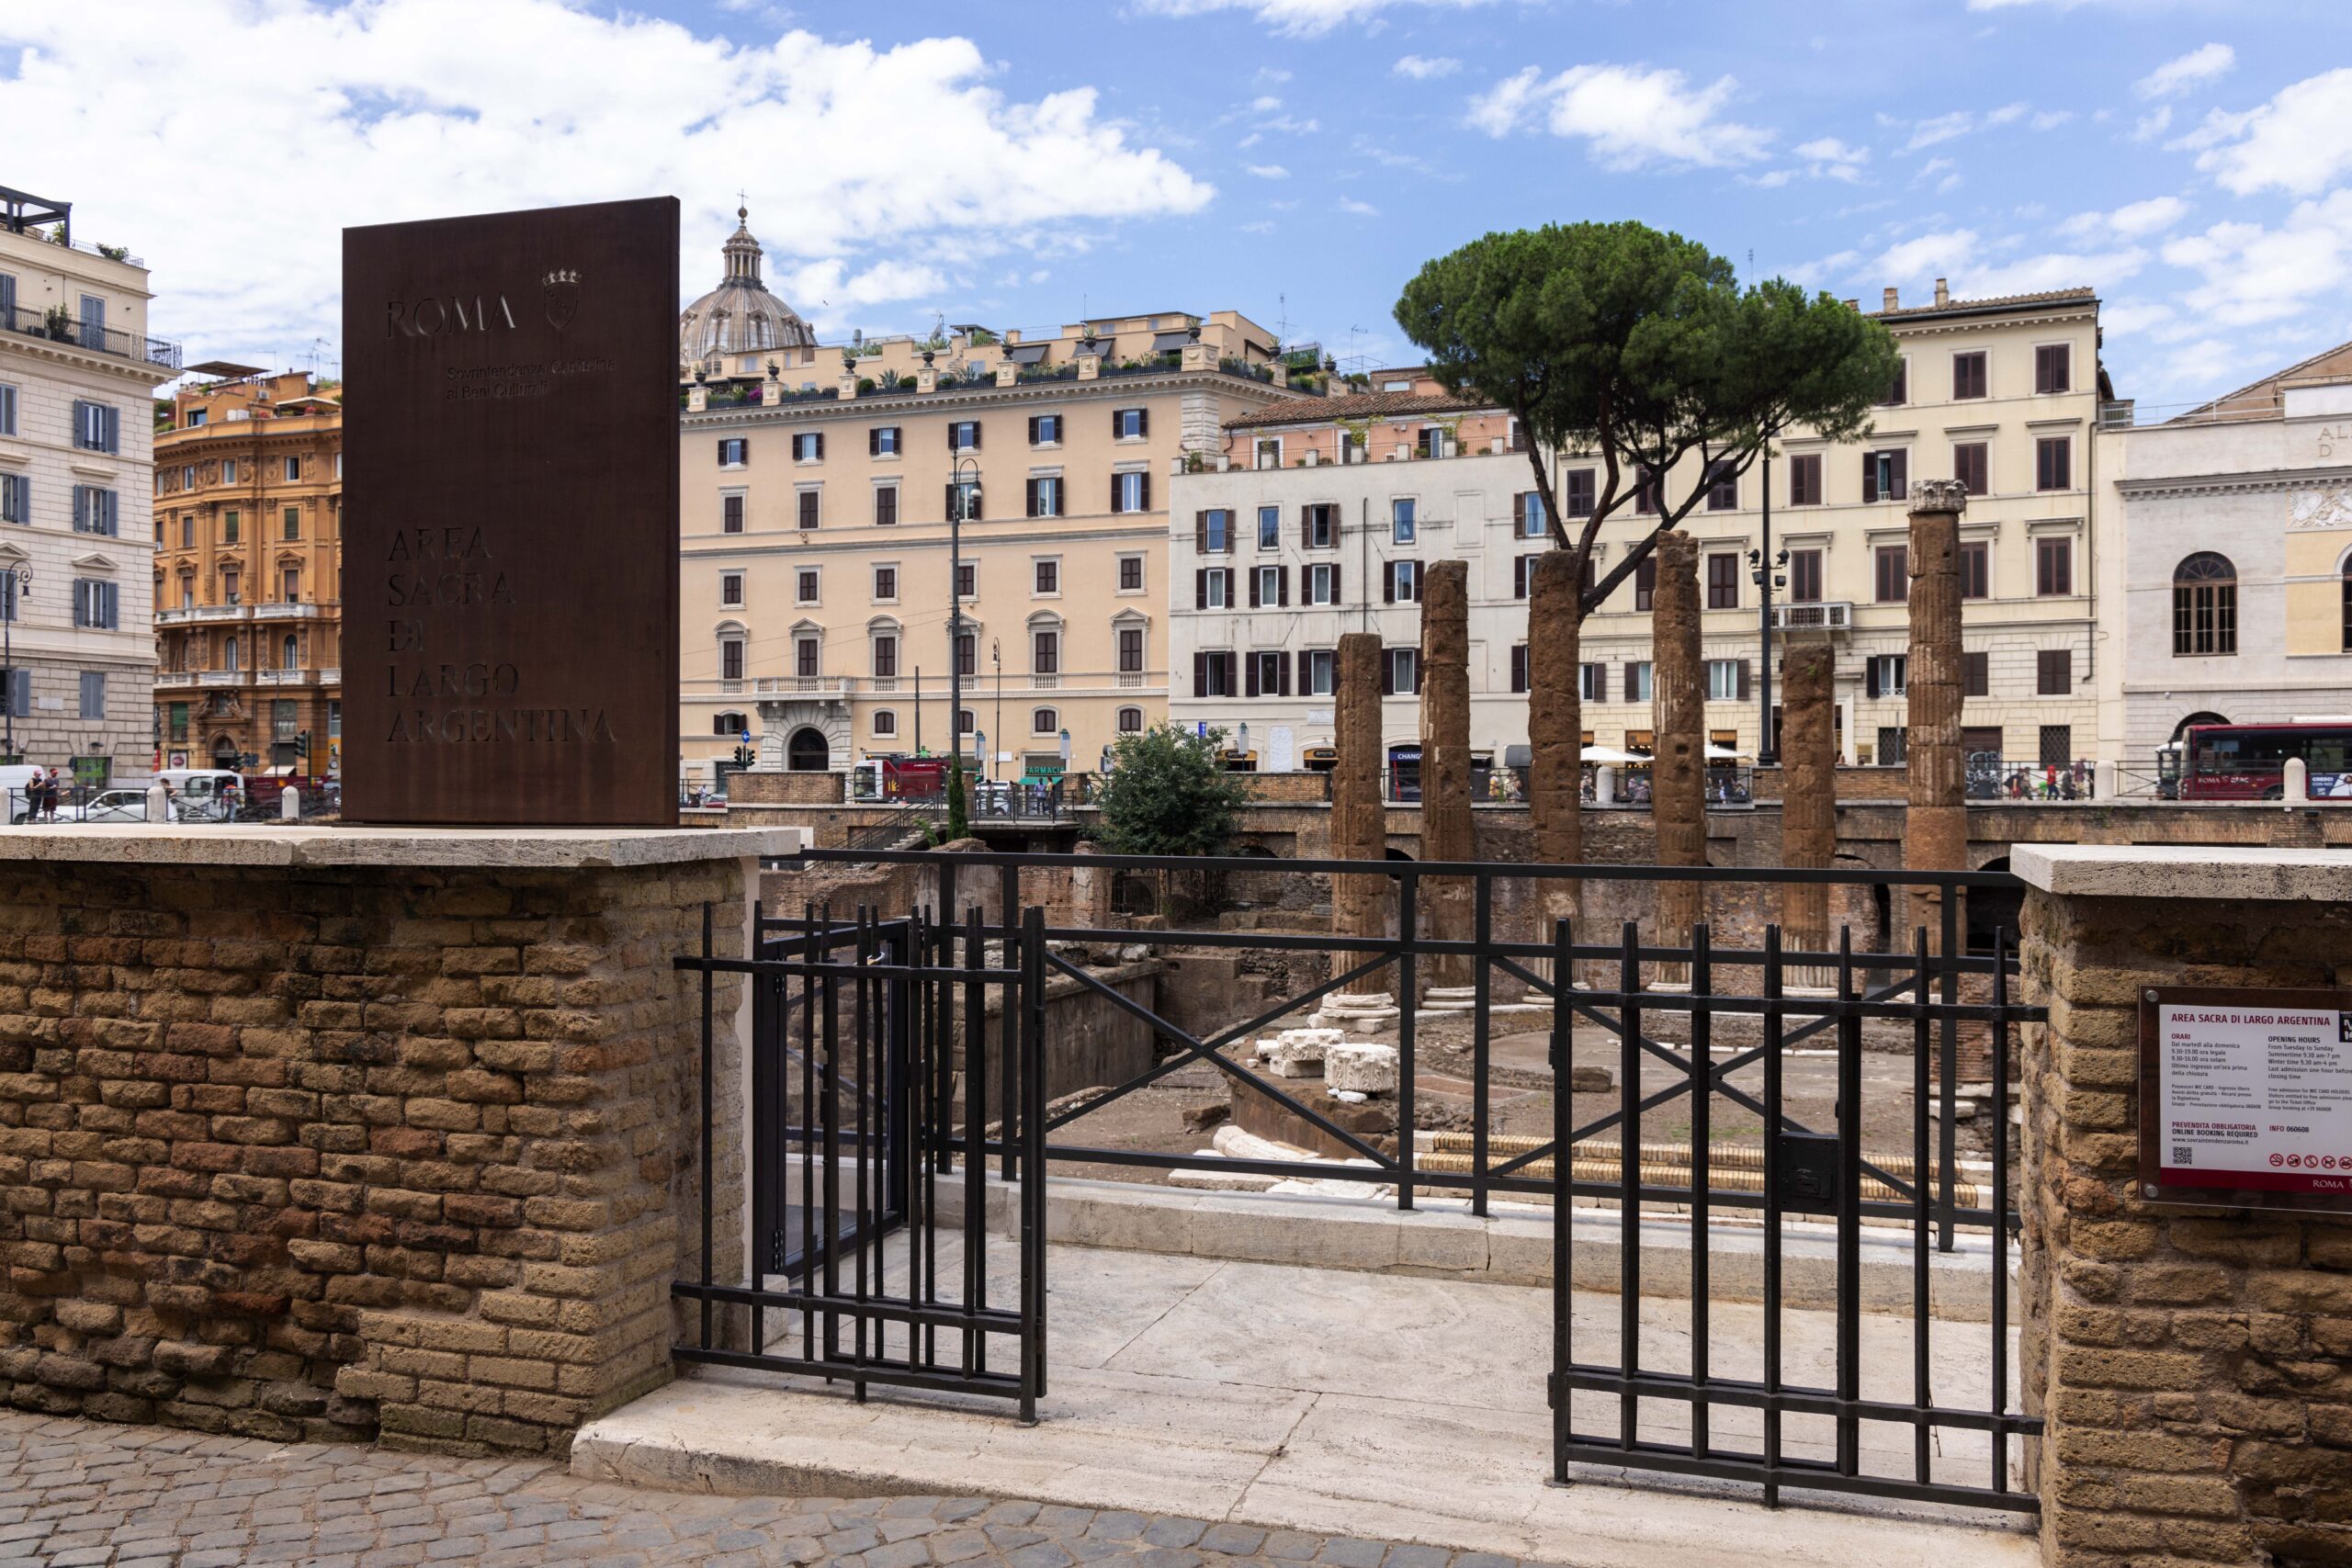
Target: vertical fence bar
830, 1082
863, 1231
1629, 1182
2000, 1204
1849, 1218
1408, 926
1948, 1137
1482, 920
975, 1159
709, 1185
760, 1165
1563, 1193
1008, 1023
811, 1120
1922, 1315
1773, 1048
1033, 1164
1701, 1078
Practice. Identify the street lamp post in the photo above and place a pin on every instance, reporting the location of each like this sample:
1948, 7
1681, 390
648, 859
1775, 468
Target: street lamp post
996, 661
20, 581
964, 498
1763, 566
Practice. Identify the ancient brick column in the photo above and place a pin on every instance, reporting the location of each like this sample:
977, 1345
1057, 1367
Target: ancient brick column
1808, 793
1678, 716
1554, 729
1935, 836
1447, 830
1359, 826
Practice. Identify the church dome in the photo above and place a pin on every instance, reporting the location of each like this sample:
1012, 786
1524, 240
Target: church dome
740, 316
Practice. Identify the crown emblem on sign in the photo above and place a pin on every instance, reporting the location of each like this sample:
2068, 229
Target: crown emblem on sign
560, 287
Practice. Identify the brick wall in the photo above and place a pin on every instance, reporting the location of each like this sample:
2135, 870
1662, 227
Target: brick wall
340, 1153
2194, 1364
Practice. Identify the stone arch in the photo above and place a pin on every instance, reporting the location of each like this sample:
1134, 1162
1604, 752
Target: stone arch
1991, 908
808, 752
2180, 730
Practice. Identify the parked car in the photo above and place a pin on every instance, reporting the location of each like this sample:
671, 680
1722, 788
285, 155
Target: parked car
204, 794
107, 805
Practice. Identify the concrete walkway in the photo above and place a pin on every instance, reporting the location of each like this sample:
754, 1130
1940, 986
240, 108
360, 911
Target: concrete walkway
1328, 1400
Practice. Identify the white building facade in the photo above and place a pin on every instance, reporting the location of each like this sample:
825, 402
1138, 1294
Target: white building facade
2233, 579
78, 376
1321, 514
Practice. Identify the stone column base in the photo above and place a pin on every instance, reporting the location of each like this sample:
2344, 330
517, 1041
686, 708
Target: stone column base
1450, 999
1355, 1010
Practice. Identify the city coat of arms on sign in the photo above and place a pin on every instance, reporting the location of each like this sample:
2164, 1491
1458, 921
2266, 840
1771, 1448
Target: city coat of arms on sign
561, 290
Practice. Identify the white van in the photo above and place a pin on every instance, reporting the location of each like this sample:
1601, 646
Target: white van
204, 794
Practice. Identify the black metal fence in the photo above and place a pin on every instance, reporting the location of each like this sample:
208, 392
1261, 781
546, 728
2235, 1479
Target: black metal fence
55, 324
1927, 987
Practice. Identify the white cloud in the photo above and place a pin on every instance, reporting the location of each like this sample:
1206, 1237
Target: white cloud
2135, 221
1360, 209
1266, 105
1630, 117
2006, 113
1827, 157
2148, 127
2194, 69
2253, 274
1421, 67
1928, 256
413, 108
2056, 269
832, 285
2013, 5
1944, 128
1943, 170
1269, 171
2296, 142
1259, 226
2121, 318
1301, 18
2051, 120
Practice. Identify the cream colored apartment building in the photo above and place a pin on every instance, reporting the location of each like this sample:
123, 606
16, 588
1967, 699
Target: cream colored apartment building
2001, 393
816, 541
248, 573
77, 378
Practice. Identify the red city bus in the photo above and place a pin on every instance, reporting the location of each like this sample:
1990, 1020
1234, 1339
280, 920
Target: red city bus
2248, 761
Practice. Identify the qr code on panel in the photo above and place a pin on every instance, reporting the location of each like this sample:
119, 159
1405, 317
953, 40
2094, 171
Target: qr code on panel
2183, 1154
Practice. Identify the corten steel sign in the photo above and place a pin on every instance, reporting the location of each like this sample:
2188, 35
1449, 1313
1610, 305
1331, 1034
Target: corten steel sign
2246, 1097
510, 549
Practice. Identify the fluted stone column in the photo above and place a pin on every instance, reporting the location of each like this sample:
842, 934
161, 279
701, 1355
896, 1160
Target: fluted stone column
1554, 733
1808, 794
1359, 831
1447, 834
1679, 759
1935, 836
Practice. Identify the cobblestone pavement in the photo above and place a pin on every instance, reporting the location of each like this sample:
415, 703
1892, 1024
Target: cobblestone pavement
77, 1492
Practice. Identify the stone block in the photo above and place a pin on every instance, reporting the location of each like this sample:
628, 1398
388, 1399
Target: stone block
1362, 1066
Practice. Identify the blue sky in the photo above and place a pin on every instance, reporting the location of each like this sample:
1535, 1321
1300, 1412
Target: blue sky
1023, 163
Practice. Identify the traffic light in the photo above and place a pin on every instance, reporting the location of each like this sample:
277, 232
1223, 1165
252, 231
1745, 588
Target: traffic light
302, 744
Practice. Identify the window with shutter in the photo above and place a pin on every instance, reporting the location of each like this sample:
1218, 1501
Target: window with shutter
1645, 582
1976, 675
730, 513
808, 501
1975, 570
1804, 577
1971, 466
2053, 463
886, 506
1968, 374
1722, 582
2053, 368
1519, 667
1894, 574
2054, 668
2053, 567
1804, 480
1583, 492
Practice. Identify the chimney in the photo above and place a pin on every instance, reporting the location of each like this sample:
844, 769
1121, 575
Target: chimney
1853, 304
1889, 303
1943, 294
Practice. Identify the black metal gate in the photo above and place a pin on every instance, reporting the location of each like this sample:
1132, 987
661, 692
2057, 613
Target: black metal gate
1808, 1173
876, 1095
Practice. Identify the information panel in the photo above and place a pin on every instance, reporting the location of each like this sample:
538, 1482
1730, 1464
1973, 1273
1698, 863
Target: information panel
510, 545
2247, 1096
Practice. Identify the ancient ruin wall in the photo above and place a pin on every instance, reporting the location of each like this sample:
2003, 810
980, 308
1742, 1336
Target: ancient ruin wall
1809, 809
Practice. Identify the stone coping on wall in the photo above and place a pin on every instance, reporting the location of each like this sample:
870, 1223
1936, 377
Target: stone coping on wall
264, 844
2179, 871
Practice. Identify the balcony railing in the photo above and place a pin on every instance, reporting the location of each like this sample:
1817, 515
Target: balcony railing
286, 677
1819, 615
284, 611
194, 615
55, 325
174, 678
330, 674
224, 677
